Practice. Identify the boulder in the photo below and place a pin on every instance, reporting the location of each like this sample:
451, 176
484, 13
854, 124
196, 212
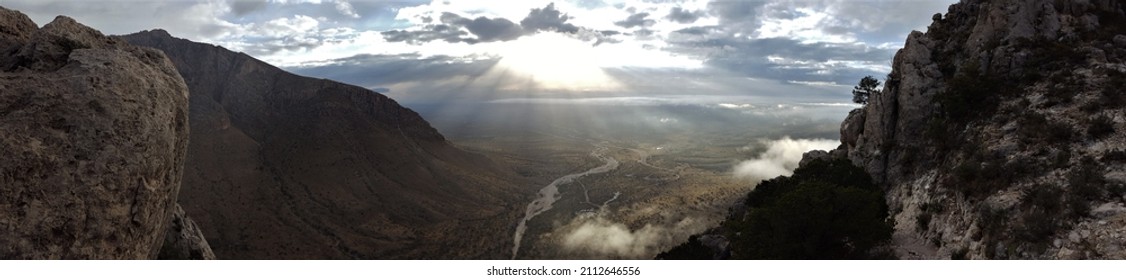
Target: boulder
94, 133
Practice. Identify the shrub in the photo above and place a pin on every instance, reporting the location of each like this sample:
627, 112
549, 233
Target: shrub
959, 254
1115, 155
1042, 209
991, 220
1058, 132
691, 250
1086, 183
970, 94
1038, 127
923, 222
1111, 94
976, 176
829, 209
1100, 127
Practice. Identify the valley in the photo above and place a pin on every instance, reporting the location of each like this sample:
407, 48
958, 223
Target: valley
614, 189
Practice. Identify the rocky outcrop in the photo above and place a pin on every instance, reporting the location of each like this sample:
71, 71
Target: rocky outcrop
282, 166
94, 135
999, 132
184, 240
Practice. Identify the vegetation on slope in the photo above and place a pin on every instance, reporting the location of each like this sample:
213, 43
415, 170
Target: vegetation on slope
829, 209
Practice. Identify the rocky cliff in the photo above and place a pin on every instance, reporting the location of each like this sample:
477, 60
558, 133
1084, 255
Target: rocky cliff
285, 166
93, 137
1000, 132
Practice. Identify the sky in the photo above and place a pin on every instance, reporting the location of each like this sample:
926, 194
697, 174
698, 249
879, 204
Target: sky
738, 52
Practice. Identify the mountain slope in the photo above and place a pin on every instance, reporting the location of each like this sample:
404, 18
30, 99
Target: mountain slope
284, 166
1000, 132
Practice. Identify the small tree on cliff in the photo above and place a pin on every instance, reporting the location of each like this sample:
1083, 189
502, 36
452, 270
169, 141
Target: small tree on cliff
864, 90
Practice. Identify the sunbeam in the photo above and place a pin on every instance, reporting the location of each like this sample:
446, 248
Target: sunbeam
555, 61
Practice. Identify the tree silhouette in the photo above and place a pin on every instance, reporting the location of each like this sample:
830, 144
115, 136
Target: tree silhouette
867, 87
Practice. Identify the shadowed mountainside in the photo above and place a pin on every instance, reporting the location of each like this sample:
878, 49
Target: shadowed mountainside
285, 166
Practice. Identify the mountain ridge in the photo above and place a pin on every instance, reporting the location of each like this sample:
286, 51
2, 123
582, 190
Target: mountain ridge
285, 166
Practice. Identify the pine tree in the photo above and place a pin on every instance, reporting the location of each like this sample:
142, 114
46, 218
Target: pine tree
864, 90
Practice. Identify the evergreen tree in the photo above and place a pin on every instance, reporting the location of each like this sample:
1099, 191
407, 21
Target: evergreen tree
867, 87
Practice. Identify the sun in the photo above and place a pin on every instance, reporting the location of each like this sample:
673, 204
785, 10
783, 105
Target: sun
555, 61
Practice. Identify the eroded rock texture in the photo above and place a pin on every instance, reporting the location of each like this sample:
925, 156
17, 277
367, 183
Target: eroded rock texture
93, 135
1000, 132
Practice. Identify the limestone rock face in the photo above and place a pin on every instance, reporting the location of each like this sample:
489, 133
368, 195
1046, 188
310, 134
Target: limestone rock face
184, 240
93, 135
999, 119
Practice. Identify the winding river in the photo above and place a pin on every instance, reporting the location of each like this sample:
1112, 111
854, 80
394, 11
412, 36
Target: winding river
550, 193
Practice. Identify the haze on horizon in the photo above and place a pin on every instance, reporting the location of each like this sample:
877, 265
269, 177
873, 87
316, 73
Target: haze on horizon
734, 54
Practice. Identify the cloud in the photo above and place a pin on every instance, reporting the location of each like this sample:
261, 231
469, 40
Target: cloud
731, 42
780, 158
636, 20
783, 59
548, 19
680, 15
888, 22
439, 77
602, 238
346, 8
299, 32
243, 7
745, 13
430, 33
486, 29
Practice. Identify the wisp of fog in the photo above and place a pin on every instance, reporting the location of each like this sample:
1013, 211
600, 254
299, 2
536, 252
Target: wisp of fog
780, 159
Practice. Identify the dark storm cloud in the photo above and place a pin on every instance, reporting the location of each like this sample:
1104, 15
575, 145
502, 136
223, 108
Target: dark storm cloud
680, 15
548, 19
486, 29
636, 20
735, 12
429, 33
450, 30
455, 28
243, 7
